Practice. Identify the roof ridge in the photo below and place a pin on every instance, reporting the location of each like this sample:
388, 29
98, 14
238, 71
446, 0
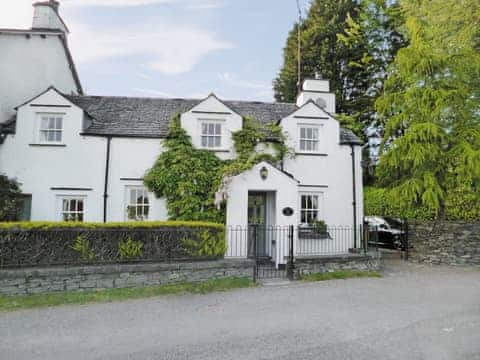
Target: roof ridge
179, 98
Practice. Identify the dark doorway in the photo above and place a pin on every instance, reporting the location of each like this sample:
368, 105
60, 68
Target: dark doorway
257, 213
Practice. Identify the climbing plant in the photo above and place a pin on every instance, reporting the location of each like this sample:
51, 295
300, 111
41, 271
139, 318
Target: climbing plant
189, 179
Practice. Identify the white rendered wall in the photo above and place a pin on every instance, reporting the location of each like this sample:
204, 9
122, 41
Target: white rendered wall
79, 164
38, 62
129, 161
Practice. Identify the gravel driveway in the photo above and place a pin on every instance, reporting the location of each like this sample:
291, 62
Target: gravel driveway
414, 312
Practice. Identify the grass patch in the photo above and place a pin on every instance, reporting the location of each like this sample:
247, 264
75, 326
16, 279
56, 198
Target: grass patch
11, 303
334, 275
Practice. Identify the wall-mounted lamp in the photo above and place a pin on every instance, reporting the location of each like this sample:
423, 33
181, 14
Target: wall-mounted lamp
264, 173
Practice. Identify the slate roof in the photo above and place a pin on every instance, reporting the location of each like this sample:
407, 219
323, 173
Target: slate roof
150, 117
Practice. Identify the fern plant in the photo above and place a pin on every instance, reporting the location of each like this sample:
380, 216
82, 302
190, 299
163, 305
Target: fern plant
207, 244
130, 249
82, 247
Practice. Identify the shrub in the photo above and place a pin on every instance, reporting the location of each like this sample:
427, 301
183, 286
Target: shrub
459, 205
10, 198
129, 250
209, 245
82, 247
48, 243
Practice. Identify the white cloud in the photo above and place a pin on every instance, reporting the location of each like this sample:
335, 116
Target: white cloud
188, 4
18, 13
170, 49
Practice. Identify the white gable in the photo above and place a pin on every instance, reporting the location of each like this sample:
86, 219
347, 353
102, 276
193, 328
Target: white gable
212, 110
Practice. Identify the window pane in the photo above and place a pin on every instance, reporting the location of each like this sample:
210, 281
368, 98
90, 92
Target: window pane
217, 129
309, 202
303, 217
302, 133
133, 196
51, 123
44, 123
65, 205
50, 136
217, 141
211, 129
80, 205
315, 145
58, 136
308, 145
80, 217
204, 141
43, 136
304, 202
204, 128
314, 199
302, 145
210, 142
315, 134
309, 133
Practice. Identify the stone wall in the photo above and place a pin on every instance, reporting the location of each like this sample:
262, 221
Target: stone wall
319, 264
445, 242
82, 278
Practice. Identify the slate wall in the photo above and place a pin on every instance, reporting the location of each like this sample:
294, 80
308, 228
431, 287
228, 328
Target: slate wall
445, 242
83, 278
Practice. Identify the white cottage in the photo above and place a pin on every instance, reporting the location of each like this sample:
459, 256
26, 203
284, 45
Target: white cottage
84, 157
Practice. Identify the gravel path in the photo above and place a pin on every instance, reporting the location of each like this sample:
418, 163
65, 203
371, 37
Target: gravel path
413, 312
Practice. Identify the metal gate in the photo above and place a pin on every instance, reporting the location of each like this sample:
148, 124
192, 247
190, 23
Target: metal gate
272, 249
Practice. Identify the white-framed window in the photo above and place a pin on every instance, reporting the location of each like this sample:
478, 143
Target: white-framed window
308, 139
309, 208
138, 203
72, 208
211, 134
50, 129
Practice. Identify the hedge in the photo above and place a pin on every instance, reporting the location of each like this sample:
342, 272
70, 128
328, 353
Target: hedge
458, 206
50, 243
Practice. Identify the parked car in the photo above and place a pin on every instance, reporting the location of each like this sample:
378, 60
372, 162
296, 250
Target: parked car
386, 232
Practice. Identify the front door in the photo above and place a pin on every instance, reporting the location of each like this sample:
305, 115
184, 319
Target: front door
257, 212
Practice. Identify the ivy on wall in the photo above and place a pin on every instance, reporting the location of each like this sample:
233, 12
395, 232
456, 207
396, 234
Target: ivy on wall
191, 179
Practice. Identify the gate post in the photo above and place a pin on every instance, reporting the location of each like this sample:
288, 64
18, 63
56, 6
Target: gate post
255, 266
291, 263
407, 245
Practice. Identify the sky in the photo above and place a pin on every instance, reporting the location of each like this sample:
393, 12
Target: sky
172, 48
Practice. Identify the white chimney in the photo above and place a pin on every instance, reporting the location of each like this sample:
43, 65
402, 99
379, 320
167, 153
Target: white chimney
317, 90
46, 16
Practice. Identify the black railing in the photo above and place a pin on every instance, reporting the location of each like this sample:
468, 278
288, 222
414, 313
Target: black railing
328, 240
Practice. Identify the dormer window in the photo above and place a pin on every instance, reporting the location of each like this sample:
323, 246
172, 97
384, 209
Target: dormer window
309, 138
211, 134
51, 128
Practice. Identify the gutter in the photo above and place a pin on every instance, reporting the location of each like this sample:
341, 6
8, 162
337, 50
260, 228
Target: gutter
107, 173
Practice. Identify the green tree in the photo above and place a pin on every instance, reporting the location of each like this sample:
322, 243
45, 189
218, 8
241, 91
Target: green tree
321, 52
10, 199
431, 105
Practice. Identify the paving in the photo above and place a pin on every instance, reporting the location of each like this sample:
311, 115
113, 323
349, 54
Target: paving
413, 312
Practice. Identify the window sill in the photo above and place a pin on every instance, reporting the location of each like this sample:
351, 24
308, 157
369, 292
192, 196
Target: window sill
216, 150
48, 144
310, 153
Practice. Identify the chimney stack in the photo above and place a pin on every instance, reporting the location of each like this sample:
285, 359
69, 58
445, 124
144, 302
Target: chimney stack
318, 90
47, 17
